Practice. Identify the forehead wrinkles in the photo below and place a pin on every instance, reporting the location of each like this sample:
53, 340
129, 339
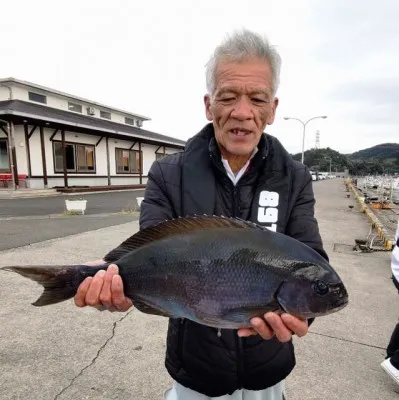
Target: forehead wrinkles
252, 70
242, 89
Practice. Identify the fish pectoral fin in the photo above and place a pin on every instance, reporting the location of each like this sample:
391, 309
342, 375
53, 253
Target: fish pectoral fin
147, 308
175, 227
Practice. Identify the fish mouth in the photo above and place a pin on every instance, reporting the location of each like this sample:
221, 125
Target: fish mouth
341, 304
338, 305
340, 295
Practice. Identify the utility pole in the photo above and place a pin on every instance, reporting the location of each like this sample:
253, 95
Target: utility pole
317, 139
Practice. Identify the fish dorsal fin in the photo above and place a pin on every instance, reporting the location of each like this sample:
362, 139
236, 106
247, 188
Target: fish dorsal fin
174, 227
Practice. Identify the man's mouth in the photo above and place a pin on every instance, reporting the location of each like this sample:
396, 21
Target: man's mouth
240, 132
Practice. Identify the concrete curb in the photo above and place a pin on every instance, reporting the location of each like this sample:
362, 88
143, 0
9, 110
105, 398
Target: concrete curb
386, 237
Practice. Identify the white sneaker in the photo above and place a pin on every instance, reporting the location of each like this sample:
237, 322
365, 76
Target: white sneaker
391, 370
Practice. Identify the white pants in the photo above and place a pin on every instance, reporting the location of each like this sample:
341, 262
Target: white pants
179, 392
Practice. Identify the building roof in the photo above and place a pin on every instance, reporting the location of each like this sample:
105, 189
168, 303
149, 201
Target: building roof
25, 110
70, 96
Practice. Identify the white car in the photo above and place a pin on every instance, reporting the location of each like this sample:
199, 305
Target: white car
323, 175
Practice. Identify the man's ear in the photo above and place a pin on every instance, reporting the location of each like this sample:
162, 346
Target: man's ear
273, 113
208, 112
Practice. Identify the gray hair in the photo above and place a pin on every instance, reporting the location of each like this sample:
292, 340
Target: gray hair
240, 46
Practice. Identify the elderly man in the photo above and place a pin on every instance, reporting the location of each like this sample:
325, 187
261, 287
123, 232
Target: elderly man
231, 168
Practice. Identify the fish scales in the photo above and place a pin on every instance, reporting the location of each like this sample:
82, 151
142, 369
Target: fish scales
208, 274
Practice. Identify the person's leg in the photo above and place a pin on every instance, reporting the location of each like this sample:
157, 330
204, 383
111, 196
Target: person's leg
393, 346
179, 392
391, 363
275, 392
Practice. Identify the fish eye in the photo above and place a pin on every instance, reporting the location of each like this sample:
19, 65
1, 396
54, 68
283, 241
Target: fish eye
320, 288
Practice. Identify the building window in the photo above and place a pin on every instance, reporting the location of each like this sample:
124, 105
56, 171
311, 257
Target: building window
38, 98
74, 107
79, 157
85, 158
129, 121
127, 161
58, 158
105, 114
4, 160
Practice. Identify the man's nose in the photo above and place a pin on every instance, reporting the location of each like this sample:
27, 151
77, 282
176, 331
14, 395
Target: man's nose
242, 109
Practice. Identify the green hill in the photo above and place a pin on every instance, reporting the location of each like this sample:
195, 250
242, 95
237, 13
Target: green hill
319, 159
381, 152
383, 158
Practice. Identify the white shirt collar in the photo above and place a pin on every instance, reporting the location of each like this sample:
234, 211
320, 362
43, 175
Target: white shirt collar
235, 178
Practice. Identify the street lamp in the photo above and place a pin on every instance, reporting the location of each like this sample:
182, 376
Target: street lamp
304, 129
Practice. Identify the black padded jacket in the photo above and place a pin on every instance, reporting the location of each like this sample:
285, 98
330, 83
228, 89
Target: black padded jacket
276, 192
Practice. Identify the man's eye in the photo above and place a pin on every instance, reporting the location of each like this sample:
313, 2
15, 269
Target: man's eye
257, 100
227, 99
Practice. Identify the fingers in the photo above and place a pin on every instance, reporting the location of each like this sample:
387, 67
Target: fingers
119, 300
283, 334
81, 292
244, 332
275, 325
93, 292
296, 325
103, 291
105, 294
89, 290
262, 328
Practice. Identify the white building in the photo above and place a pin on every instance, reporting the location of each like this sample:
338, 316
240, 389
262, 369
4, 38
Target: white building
53, 139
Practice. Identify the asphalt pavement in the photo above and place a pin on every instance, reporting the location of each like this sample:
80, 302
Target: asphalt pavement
61, 352
97, 203
24, 221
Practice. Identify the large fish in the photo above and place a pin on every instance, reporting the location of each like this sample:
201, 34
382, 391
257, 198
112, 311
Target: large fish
216, 271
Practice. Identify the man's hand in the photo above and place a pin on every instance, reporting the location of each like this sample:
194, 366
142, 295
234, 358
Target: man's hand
273, 324
103, 290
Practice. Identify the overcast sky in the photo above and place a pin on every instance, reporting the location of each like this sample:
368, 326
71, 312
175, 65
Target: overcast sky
340, 59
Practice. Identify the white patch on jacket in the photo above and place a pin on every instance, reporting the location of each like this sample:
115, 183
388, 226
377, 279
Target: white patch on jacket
268, 209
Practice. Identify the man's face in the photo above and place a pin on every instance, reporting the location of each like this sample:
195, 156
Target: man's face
242, 104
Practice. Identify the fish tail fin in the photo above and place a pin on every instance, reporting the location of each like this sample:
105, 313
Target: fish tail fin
60, 283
